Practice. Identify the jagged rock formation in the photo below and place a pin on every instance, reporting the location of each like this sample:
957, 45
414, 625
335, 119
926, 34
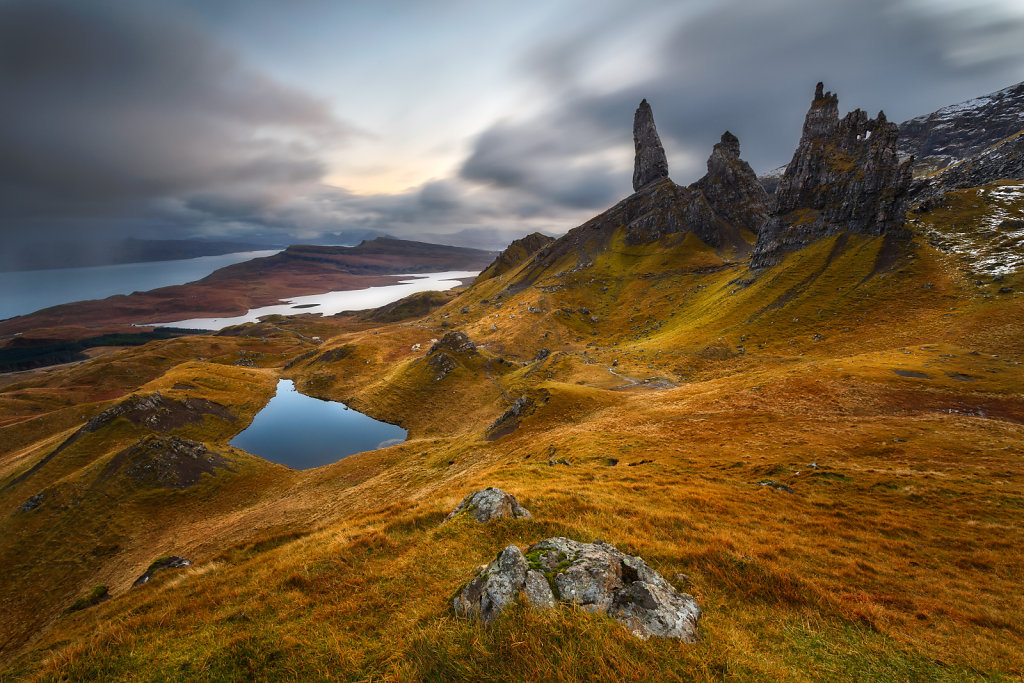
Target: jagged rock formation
515, 253
650, 163
161, 462
594, 576
845, 176
490, 504
161, 564
959, 131
731, 187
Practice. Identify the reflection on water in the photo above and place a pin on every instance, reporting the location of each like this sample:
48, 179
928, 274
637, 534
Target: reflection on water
331, 303
303, 432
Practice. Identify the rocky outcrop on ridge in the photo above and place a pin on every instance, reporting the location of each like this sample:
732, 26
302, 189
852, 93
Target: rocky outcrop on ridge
845, 176
162, 462
515, 253
509, 421
445, 355
731, 187
595, 576
650, 163
489, 504
962, 130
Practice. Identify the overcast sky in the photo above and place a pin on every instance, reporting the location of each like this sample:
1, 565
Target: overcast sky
286, 120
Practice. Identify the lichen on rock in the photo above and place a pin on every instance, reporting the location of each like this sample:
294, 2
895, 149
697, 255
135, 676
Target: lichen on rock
489, 504
595, 576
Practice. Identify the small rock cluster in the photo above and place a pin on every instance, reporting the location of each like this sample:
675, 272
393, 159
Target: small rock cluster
595, 576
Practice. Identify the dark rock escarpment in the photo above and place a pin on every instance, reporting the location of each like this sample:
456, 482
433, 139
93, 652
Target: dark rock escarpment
155, 412
731, 187
1004, 161
509, 421
650, 163
489, 504
161, 564
845, 176
595, 576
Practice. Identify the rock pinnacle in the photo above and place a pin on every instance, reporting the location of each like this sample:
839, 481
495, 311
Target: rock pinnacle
650, 163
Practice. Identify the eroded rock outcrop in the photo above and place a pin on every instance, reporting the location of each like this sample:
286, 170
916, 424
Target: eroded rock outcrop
509, 421
650, 163
845, 176
595, 576
731, 187
162, 462
162, 564
445, 355
490, 504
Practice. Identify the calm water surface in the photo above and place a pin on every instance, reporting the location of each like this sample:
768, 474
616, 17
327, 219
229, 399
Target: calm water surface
303, 432
30, 290
330, 303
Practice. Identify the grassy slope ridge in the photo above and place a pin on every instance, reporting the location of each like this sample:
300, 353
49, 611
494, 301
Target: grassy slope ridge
886, 365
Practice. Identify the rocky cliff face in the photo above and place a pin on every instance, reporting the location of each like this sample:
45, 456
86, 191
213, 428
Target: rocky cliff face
845, 176
731, 187
650, 163
959, 131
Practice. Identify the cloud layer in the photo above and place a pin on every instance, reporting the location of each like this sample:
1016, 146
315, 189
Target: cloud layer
140, 118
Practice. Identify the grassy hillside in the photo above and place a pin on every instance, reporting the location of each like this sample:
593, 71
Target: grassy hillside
877, 380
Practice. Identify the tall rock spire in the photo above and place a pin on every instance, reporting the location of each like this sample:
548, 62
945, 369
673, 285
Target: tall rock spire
650, 163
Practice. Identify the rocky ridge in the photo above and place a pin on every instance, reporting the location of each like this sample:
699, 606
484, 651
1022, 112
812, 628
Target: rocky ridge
845, 177
951, 134
514, 254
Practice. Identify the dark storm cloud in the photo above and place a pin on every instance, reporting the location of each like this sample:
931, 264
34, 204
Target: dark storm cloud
749, 68
109, 107
127, 116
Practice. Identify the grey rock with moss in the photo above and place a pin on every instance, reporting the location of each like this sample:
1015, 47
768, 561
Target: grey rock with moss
595, 576
495, 588
488, 504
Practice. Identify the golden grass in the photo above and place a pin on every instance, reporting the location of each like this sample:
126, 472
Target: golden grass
894, 559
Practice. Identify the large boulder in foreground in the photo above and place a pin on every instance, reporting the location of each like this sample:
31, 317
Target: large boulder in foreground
594, 576
490, 503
